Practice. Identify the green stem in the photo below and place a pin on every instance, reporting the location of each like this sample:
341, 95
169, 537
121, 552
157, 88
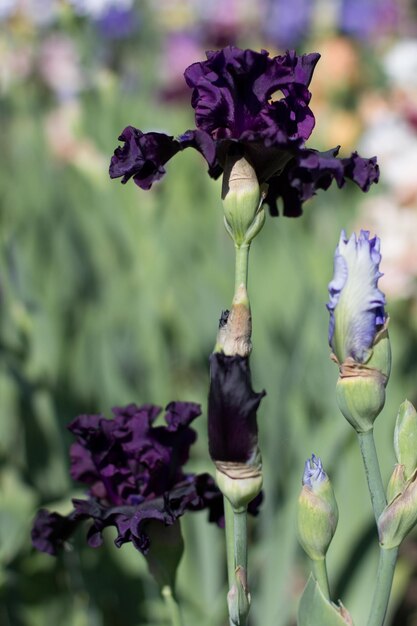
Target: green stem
172, 605
386, 568
320, 574
241, 538
230, 541
242, 602
372, 471
241, 267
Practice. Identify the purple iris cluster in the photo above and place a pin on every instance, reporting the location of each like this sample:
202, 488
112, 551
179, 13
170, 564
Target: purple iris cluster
134, 473
248, 103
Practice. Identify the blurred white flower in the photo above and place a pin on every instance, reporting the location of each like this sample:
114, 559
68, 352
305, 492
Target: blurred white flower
400, 64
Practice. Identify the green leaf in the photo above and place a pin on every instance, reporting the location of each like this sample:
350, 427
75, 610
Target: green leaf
314, 609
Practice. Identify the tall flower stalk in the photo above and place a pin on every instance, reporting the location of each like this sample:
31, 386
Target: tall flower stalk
358, 335
253, 120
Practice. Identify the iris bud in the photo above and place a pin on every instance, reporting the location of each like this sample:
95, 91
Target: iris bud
405, 437
317, 510
396, 483
358, 330
399, 516
361, 397
165, 553
242, 199
238, 482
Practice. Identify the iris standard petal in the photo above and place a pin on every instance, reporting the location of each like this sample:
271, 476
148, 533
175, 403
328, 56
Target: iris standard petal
356, 304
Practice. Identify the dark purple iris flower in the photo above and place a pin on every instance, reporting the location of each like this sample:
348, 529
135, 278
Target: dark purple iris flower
134, 472
232, 407
234, 95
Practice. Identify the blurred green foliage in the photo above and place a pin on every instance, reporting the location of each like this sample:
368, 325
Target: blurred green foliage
110, 295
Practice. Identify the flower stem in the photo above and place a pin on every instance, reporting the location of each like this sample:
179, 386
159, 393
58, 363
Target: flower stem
241, 538
372, 471
387, 558
230, 541
242, 599
320, 574
241, 267
386, 568
172, 605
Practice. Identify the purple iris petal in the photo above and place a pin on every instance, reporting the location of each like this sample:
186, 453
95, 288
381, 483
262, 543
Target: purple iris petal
51, 530
356, 305
232, 406
142, 157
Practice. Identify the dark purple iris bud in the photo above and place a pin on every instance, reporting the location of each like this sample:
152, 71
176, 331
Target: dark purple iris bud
134, 473
249, 104
232, 407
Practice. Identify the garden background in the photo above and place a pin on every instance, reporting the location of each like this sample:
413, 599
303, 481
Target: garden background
111, 295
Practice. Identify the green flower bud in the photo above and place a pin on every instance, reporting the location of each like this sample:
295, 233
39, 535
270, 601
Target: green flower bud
405, 437
242, 198
240, 482
396, 482
165, 553
360, 394
399, 516
317, 510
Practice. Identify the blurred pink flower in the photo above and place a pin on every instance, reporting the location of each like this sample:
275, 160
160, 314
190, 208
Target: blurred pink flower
59, 66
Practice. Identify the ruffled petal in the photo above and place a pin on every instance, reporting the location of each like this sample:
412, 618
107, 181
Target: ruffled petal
142, 157
50, 531
310, 171
356, 304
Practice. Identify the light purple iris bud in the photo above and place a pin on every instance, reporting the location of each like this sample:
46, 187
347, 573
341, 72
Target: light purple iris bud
314, 473
356, 304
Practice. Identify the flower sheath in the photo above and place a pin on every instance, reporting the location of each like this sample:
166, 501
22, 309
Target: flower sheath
234, 95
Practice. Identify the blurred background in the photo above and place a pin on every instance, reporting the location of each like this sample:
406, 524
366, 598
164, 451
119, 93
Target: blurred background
111, 295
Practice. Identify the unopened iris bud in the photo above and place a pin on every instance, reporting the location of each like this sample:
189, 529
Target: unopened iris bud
242, 199
233, 430
358, 330
396, 483
317, 510
399, 516
405, 437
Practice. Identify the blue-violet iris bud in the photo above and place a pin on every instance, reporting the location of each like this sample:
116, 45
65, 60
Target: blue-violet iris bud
358, 331
356, 304
317, 510
238, 111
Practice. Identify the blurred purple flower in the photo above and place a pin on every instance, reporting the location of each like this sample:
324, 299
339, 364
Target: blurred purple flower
287, 24
117, 22
232, 95
134, 472
368, 18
